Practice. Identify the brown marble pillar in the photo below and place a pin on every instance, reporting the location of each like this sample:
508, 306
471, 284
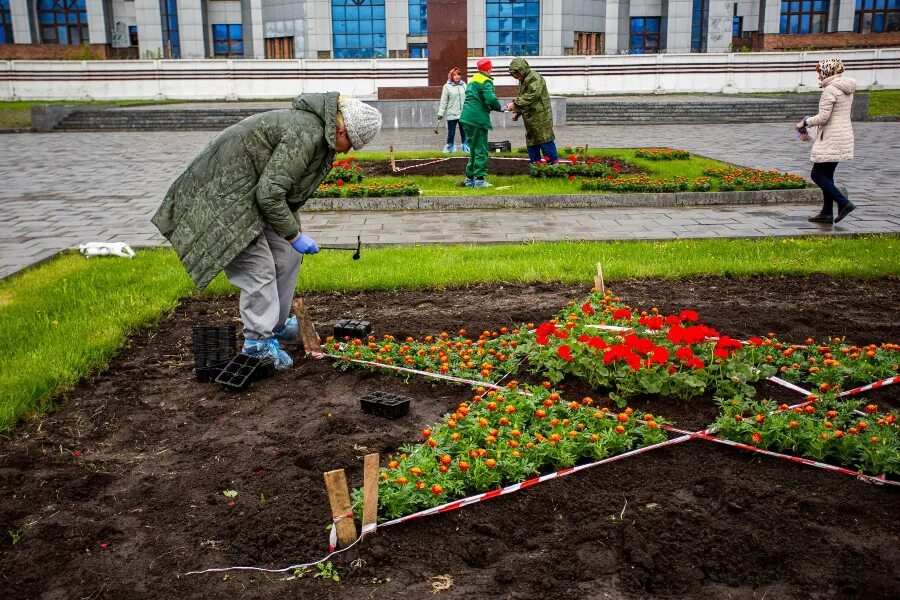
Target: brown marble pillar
447, 39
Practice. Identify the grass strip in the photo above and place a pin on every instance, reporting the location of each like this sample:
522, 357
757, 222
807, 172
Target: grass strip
884, 103
16, 114
62, 319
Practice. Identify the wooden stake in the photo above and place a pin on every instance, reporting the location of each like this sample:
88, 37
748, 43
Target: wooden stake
598, 280
307, 331
370, 490
393, 164
339, 498
584, 156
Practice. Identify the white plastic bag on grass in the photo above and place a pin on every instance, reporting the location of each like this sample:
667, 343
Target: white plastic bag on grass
106, 249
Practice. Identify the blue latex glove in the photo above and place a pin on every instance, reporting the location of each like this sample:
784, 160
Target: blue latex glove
305, 244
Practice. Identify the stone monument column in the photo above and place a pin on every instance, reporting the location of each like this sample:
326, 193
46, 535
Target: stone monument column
447, 39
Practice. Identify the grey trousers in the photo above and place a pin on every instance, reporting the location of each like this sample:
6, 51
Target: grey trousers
266, 273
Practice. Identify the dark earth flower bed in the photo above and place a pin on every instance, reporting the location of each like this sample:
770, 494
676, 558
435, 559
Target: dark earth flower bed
120, 492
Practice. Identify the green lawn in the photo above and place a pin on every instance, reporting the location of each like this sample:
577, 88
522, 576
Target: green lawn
529, 186
884, 103
60, 320
17, 114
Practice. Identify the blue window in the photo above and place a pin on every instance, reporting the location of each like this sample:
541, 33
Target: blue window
512, 27
133, 35
418, 50
804, 16
737, 26
6, 35
699, 17
644, 35
168, 11
358, 29
63, 21
228, 41
418, 18
876, 16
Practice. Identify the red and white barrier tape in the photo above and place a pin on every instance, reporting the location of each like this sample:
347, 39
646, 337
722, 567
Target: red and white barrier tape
450, 506
871, 386
705, 435
332, 534
789, 385
472, 382
439, 160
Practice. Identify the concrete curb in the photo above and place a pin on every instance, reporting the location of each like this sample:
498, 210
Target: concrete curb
798, 196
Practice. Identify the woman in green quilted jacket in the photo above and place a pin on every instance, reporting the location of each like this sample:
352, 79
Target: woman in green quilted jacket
476, 118
235, 207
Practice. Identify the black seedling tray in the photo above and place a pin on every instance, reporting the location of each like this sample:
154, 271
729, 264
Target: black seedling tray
212, 345
352, 329
242, 370
210, 373
383, 404
504, 146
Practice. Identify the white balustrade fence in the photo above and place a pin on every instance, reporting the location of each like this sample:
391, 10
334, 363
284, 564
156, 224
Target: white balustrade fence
570, 75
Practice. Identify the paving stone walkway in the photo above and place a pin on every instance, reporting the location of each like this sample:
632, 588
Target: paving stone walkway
62, 189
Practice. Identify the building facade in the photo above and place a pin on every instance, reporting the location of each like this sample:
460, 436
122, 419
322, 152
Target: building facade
337, 29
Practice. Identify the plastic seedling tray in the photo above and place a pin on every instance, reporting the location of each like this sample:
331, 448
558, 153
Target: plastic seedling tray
212, 345
383, 404
242, 370
352, 329
209, 373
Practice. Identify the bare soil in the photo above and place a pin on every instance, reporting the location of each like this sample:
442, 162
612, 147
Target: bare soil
456, 165
119, 492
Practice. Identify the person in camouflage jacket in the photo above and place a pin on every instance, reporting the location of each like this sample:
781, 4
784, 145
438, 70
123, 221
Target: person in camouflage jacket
532, 104
234, 207
476, 118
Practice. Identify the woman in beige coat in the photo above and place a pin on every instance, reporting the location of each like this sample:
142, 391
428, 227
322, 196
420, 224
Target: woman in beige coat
833, 137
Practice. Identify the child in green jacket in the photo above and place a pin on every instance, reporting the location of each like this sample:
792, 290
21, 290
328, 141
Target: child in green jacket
476, 117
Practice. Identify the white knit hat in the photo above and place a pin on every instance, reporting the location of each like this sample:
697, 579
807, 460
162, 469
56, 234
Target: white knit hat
361, 121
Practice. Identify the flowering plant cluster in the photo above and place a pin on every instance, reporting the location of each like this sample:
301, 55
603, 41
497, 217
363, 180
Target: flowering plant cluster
345, 170
662, 154
592, 167
752, 179
503, 437
827, 366
491, 356
639, 183
375, 189
651, 353
827, 430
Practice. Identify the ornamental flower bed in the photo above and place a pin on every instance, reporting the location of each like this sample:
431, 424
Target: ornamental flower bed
641, 183
592, 167
488, 358
375, 189
828, 430
752, 179
345, 170
671, 355
829, 366
662, 154
503, 437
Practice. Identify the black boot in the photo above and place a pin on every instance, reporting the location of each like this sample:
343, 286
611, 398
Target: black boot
821, 218
843, 212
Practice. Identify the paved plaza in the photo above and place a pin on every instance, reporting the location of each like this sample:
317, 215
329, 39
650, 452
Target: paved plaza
63, 189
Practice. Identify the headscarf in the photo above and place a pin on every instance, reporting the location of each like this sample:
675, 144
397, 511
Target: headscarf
830, 66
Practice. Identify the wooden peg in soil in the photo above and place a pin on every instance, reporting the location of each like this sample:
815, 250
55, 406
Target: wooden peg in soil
307, 331
339, 498
393, 164
598, 279
584, 156
370, 490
